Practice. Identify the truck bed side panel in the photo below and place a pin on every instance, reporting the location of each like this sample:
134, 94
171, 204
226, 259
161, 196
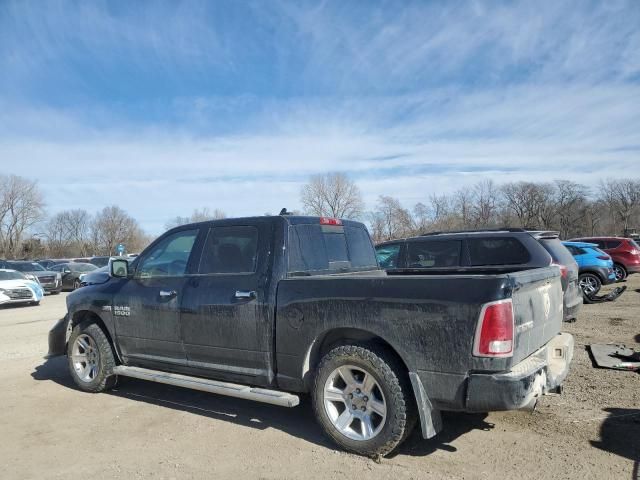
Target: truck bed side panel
429, 321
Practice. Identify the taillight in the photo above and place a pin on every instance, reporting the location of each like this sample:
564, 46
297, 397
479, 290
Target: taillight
603, 257
330, 221
494, 333
564, 270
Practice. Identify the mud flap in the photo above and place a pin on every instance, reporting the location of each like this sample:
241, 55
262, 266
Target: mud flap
430, 419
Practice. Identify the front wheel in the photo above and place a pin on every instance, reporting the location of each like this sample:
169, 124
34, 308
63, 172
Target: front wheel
90, 358
363, 400
589, 283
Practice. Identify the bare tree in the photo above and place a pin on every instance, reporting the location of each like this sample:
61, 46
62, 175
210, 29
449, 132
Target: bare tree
332, 195
197, 216
390, 220
571, 202
622, 196
484, 203
112, 226
21, 207
69, 234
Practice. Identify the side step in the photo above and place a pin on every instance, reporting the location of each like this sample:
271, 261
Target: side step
274, 397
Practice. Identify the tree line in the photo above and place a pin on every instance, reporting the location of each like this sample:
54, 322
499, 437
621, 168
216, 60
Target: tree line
573, 209
569, 207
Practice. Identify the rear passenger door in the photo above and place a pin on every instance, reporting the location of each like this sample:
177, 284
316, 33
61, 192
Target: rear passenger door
226, 320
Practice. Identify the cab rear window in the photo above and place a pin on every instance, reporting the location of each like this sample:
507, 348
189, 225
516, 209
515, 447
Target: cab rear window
434, 254
327, 248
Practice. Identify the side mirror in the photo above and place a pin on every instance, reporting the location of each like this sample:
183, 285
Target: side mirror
119, 268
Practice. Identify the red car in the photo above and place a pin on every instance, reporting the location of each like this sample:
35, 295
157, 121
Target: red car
624, 252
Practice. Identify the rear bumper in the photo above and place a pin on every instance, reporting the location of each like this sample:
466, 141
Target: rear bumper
606, 275
521, 387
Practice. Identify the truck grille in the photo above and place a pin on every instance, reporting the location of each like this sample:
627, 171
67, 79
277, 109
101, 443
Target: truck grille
47, 279
19, 294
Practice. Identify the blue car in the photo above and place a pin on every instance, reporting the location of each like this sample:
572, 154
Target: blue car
595, 266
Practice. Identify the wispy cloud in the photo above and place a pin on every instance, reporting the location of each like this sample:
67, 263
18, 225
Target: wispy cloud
163, 107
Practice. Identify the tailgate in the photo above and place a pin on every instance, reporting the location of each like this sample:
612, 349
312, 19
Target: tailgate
537, 307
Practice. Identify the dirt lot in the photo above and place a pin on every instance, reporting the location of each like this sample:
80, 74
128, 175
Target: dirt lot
143, 430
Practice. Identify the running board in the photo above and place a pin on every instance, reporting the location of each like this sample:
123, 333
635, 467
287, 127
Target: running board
273, 397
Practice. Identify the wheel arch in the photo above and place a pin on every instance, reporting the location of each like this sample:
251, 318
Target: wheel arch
592, 271
89, 315
334, 337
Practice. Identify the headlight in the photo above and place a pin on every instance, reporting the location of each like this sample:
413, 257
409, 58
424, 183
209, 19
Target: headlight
32, 277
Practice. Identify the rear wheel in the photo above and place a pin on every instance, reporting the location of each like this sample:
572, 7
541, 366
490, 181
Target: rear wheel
90, 358
589, 283
363, 400
620, 272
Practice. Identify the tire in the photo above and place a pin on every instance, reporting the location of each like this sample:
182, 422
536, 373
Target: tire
590, 283
95, 373
383, 383
56, 292
620, 271
36, 304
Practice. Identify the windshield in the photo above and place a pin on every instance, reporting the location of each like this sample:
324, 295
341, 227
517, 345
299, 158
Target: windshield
82, 267
25, 266
12, 276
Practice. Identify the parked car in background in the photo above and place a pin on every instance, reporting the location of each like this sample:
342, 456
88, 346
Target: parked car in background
595, 266
71, 273
100, 261
624, 252
50, 281
98, 276
15, 287
496, 250
47, 263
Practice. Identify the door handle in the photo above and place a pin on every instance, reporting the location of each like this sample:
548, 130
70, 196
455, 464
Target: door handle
168, 293
245, 294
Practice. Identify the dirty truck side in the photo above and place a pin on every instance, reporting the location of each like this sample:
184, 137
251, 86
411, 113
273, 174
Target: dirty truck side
268, 308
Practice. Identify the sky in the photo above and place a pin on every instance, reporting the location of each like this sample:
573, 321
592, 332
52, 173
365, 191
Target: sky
164, 107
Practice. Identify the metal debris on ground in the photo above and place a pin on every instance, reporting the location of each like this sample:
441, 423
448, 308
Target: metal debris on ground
610, 297
617, 357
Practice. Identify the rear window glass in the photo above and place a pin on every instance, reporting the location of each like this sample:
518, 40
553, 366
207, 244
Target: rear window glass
612, 243
434, 254
498, 251
558, 252
327, 247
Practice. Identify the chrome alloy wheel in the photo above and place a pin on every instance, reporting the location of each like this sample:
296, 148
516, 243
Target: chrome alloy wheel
619, 272
354, 403
589, 285
85, 358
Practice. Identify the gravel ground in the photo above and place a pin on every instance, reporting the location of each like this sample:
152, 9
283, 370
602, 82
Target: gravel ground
145, 430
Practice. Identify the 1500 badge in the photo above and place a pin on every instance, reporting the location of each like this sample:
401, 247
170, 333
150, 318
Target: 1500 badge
121, 311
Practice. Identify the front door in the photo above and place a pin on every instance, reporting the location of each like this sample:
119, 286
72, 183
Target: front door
146, 309
226, 318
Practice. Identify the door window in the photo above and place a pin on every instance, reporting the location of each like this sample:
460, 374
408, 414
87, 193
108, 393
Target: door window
168, 258
434, 254
388, 255
230, 250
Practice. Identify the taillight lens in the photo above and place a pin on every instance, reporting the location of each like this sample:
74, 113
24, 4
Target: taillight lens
564, 270
494, 334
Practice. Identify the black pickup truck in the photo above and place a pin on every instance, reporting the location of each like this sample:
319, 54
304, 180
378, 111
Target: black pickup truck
268, 308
